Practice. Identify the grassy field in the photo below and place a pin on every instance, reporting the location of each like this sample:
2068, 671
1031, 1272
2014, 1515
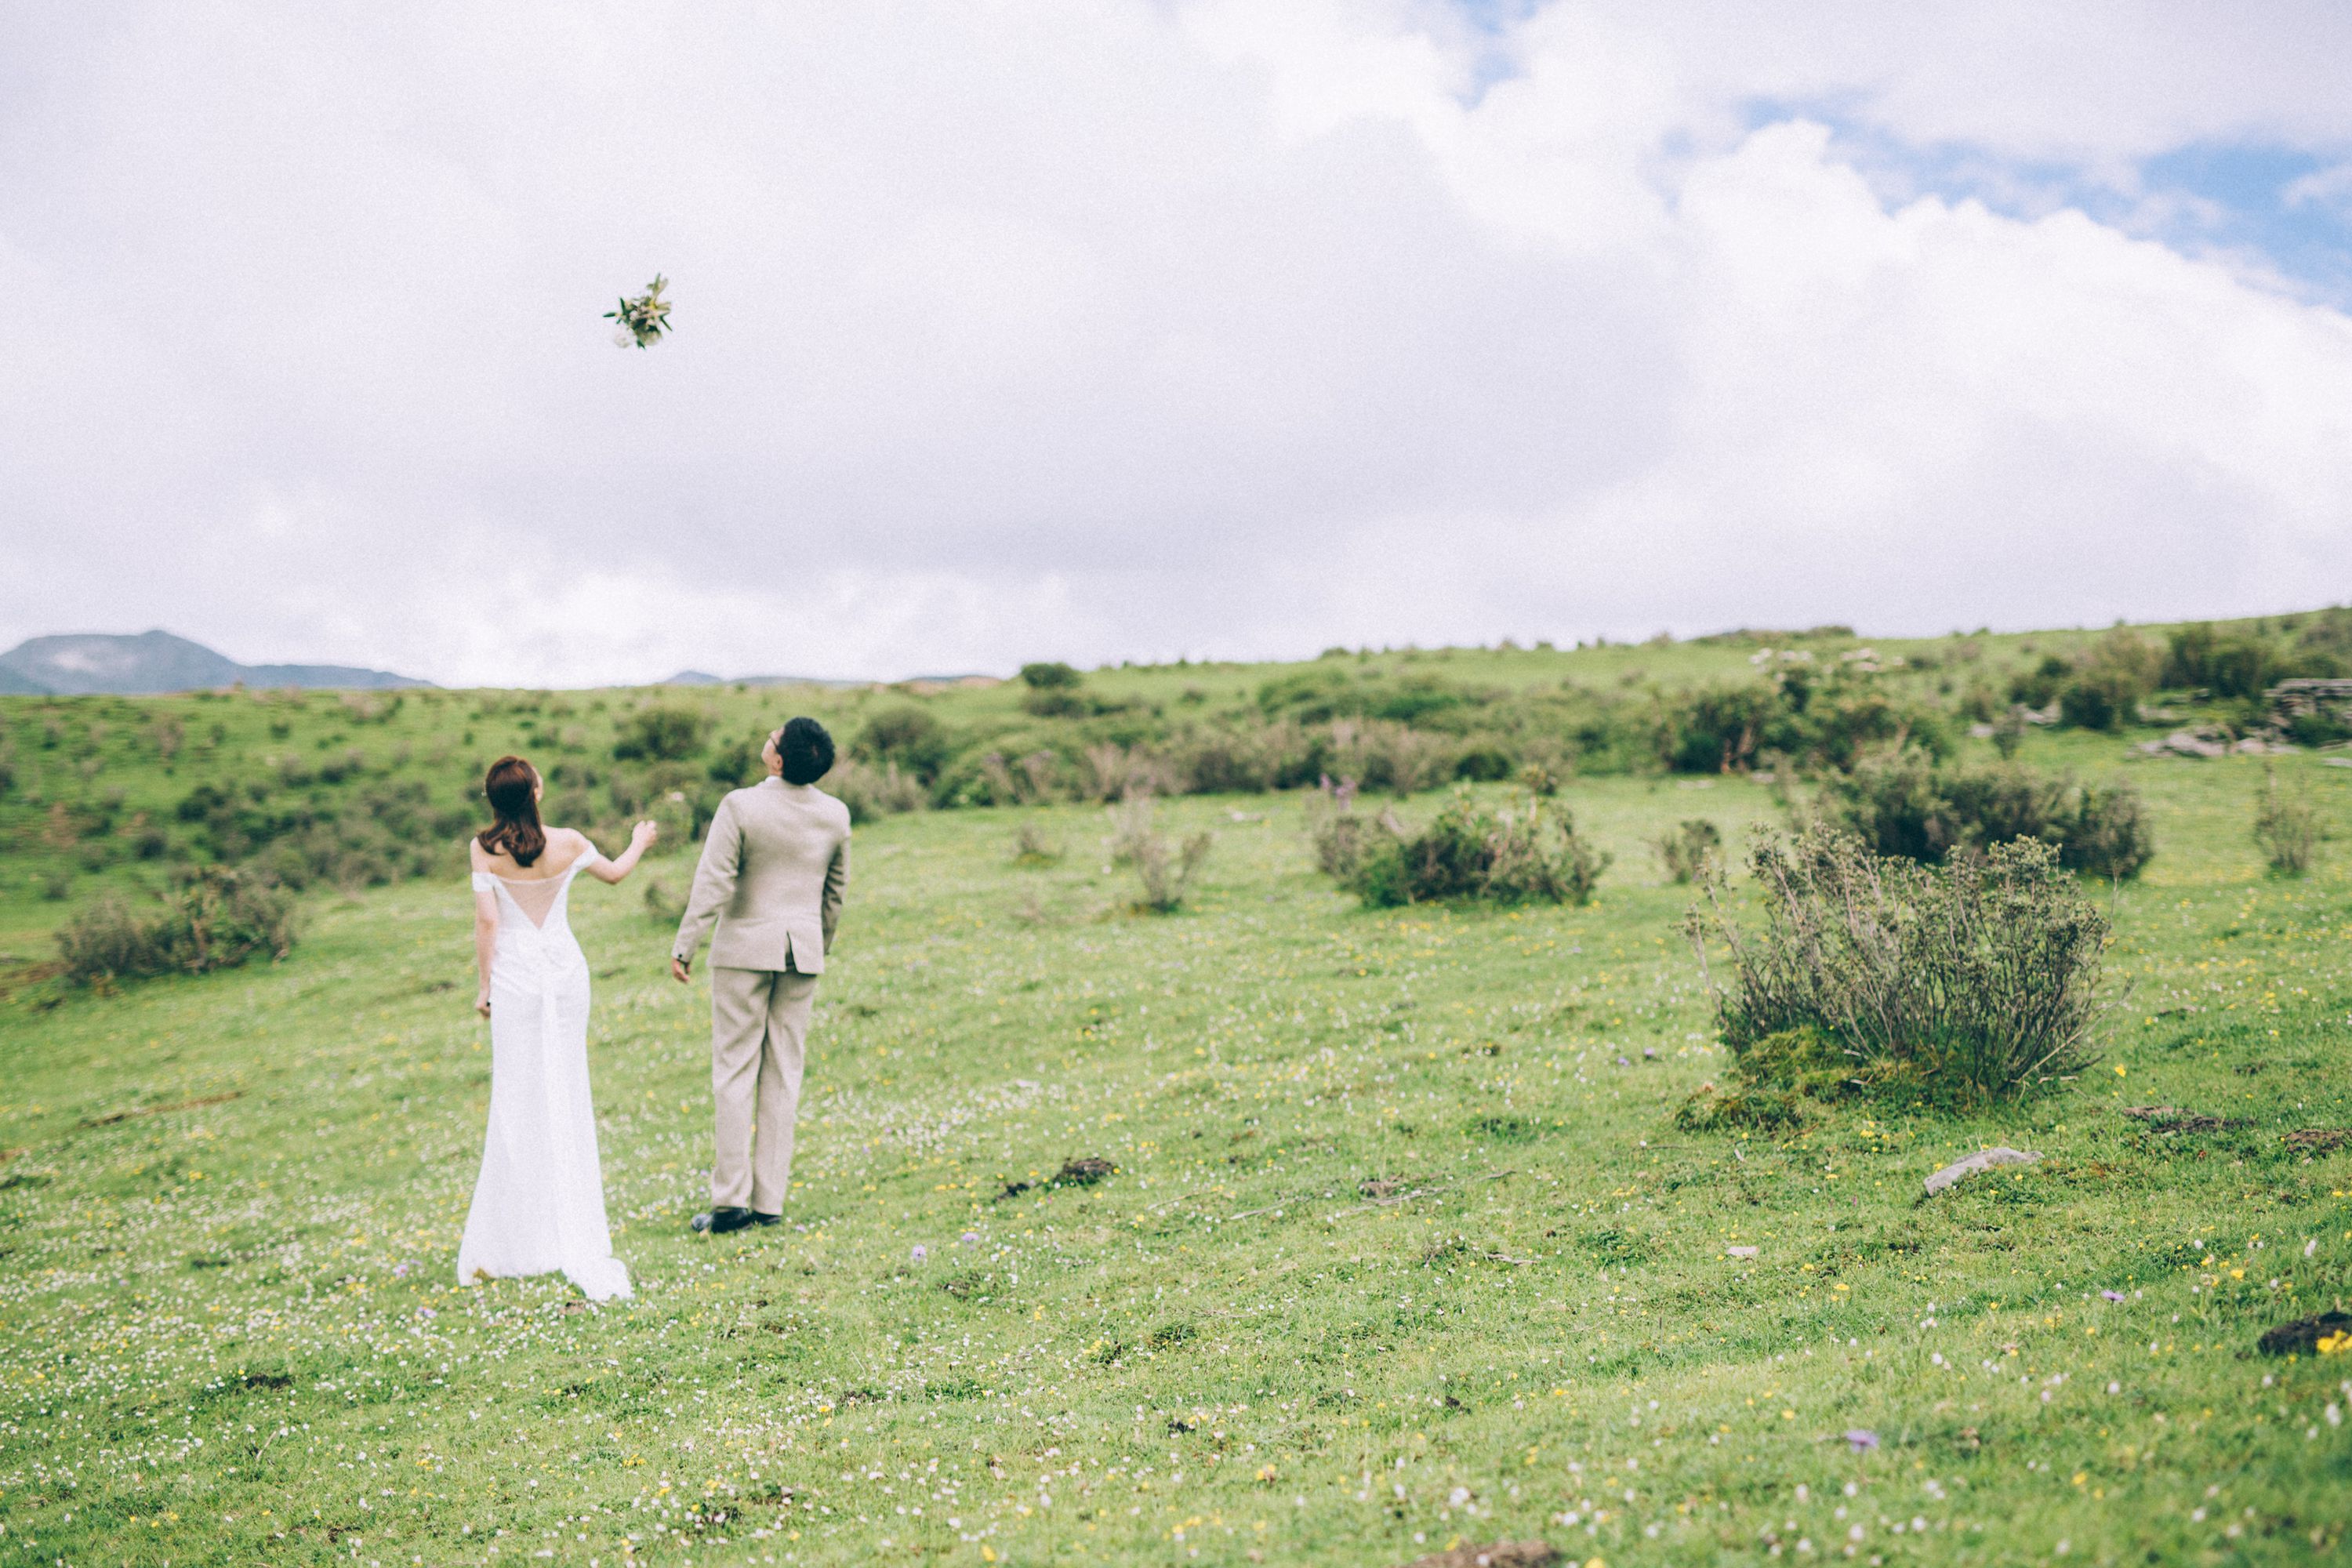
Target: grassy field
100, 795
229, 1208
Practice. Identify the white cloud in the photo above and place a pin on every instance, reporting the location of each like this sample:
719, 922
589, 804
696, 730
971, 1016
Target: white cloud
2330, 187
1045, 329
2092, 81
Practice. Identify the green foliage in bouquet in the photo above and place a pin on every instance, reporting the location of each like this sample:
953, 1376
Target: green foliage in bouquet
645, 318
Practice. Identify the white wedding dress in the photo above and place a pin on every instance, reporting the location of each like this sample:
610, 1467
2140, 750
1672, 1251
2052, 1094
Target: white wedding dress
539, 1204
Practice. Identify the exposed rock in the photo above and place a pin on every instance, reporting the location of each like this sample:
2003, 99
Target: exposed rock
1982, 1160
2185, 744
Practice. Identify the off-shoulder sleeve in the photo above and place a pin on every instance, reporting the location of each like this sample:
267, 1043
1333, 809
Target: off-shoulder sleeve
485, 883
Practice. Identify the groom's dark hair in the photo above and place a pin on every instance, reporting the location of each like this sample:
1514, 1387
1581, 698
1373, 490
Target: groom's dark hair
805, 750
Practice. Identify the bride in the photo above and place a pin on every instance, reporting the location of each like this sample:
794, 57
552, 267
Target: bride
539, 1204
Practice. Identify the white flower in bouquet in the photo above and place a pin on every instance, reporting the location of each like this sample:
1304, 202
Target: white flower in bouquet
643, 320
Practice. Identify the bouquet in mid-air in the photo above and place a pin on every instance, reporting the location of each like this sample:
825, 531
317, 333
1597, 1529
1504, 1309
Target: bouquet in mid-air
643, 320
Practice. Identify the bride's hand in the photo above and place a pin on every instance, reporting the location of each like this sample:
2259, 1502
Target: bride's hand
482, 1002
644, 832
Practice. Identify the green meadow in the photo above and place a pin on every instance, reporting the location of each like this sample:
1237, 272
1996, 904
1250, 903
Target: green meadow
1403, 1247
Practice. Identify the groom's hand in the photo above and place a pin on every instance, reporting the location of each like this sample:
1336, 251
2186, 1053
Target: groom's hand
677, 970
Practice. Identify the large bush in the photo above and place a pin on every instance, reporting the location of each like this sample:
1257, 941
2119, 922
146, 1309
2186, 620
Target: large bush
220, 920
1907, 803
1719, 729
871, 791
662, 734
1826, 723
1050, 676
908, 737
1527, 853
1966, 982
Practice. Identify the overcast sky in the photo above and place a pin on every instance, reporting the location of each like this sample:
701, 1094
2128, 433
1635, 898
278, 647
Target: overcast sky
1101, 330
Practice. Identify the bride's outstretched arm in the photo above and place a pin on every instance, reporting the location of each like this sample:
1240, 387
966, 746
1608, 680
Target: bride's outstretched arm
621, 865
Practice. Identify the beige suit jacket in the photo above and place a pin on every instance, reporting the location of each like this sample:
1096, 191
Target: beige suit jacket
774, 866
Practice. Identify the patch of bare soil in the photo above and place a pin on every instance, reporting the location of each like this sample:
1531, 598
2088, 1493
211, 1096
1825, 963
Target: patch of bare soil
2302, 1337
1499, 1554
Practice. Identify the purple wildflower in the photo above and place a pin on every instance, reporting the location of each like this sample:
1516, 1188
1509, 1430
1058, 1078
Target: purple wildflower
1862, 1439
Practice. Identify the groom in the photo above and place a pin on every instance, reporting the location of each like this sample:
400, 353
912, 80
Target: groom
773, 869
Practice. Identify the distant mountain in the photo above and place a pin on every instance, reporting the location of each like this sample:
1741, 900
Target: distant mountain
153, 662
703, 677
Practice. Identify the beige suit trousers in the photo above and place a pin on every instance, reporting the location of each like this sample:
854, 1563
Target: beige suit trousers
759, 1034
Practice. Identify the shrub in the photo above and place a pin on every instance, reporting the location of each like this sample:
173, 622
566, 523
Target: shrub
1026, 782
2009, 732
1483, 763
1109, 772
2107, 833
664, 906
1531, 854
910, 737
1903, 803
1535, 856
2092, 700
2120, 669
1963, 984
1054, 702
1049, 676
662, 734
2287, 828
2228, 664
1849, 717
1165, 871
2037, 687
1032, 847
1719, 730
220, 920
1241, 760
1385, 754
677, 817
1335, 830
2132, 661
1688, 852
733, 764
870, 792
2315, 728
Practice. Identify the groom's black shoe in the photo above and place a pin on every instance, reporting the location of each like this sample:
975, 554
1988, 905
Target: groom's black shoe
720, 1221
758, 1218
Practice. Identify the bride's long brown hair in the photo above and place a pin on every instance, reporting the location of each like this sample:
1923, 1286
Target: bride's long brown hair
509, 787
